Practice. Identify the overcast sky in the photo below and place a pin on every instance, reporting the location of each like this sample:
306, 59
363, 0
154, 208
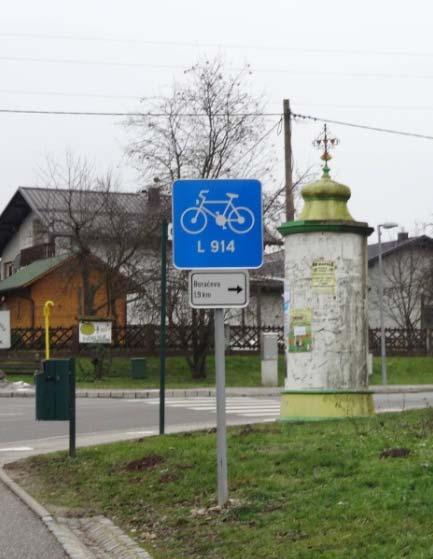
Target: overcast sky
365, 62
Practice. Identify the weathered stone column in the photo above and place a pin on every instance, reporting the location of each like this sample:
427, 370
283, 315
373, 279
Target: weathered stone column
326, 307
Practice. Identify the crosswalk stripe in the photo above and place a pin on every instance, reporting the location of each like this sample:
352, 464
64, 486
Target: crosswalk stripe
237, 405
191, 400
242, 411
230, 405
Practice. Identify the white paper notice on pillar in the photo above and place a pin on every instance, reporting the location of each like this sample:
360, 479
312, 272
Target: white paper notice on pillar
5, 329
218, 290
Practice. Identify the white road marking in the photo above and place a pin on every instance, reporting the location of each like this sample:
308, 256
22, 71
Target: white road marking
237, 405
16, 449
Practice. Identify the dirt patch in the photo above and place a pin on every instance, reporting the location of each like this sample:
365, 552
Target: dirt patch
167, 478
246, 430
146, 463
184, 466
395, 453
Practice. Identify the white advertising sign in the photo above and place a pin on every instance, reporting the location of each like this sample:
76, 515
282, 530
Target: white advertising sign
94, 332
5, 329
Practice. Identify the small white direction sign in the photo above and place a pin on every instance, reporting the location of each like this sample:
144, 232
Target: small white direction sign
218, 290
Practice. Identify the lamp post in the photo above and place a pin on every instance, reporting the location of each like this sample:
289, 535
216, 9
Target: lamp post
382, 323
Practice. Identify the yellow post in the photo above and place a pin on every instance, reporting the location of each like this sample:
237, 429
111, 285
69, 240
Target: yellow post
47, 308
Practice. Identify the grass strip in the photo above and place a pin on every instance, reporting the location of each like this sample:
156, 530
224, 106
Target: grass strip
341, 489
241, 370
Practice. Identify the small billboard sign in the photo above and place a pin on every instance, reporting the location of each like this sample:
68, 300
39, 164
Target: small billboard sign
94, 331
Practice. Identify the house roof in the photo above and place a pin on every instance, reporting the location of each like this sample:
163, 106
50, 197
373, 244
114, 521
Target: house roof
11, 218
51, 205
391, 247
273, 265
28, 274
45, 201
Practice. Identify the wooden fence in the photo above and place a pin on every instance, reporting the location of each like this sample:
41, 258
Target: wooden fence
402, 341
145, 339
140, 339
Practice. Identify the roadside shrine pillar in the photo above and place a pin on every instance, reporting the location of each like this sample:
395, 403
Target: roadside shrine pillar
325, 305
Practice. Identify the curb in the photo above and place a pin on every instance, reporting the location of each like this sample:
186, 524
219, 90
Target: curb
72, 546
209, 392
154, 393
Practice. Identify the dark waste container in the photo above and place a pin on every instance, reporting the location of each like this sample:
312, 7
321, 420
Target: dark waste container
138, 367
53, 390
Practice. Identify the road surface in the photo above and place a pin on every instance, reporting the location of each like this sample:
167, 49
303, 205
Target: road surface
106, 420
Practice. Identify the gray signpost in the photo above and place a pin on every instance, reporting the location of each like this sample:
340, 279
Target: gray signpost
218, 229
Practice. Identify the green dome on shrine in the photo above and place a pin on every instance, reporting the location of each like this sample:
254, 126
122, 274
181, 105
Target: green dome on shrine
325, 200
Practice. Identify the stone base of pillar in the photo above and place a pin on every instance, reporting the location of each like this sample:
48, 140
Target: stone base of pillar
315, 405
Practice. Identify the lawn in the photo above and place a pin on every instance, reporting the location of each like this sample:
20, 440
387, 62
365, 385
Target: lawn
300, 491
404, 370
242, 370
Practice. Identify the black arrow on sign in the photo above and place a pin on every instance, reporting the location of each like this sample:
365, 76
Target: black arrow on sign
238, 289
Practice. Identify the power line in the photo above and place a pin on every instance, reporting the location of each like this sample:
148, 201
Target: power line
155, 97
131, 114
260, 140
224, 115
373, 75
195, 44
363, 126
89, 62
366, 107
74, 94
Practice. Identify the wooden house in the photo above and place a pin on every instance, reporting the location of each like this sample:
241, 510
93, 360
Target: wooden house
58, 279
42, 258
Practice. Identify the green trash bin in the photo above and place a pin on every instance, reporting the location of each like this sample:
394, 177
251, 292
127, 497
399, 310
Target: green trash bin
53, 390
138, 367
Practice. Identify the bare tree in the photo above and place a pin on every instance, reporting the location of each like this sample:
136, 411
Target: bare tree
274, 204
104, 229
407, 280
208, 127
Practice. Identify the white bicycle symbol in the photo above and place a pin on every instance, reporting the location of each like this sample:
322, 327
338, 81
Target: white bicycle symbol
239, 219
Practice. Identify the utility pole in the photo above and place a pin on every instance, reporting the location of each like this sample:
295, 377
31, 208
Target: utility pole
290, 207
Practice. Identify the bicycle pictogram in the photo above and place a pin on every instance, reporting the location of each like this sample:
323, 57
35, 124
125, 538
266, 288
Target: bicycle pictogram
239, 219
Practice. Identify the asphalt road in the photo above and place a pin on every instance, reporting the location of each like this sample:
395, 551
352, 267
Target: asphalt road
106, 420
22, 535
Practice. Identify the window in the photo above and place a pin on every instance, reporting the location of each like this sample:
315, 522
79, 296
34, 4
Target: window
7, 269
38, 232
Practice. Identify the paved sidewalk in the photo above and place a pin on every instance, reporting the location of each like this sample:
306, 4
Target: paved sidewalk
132, 393
29, 531
22, 534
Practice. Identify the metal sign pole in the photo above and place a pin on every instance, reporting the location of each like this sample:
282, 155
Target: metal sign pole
72, 420
218, 225
162, 342
221, 407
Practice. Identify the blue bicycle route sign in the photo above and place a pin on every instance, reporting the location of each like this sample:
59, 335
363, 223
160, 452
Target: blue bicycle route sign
217, 223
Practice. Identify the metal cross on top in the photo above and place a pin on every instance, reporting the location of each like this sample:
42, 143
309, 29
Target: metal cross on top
323, 141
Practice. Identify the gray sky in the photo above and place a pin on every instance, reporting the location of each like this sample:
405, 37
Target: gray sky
366, 62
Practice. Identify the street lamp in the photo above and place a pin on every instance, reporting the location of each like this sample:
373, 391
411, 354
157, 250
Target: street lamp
382, 324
